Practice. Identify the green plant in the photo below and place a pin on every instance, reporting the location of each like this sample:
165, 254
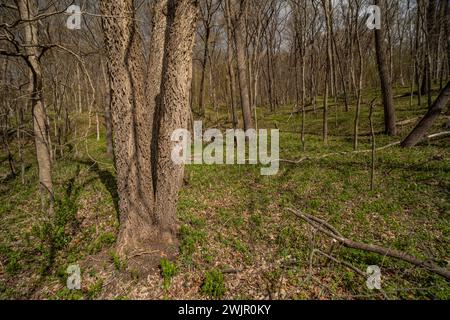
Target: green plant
189, 239
168, 271
104, 240
13, 266
214, 284
95, 289
118, 263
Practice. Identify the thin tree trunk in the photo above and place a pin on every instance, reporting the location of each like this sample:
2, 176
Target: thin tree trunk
239, 38
360, 83
385, 79
329, 73
230, 67
28, 9
201, 95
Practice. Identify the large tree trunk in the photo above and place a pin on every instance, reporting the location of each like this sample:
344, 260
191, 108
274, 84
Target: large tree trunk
28, 9
176, 80
131, 125
146, 110
385, 78
430, 118
239, 38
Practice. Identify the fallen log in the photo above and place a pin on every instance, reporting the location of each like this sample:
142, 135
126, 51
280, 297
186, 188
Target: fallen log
429, 119
324, 228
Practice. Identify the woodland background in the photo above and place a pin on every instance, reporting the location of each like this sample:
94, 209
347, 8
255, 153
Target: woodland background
344, 98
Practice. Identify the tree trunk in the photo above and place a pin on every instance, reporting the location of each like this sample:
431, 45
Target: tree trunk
430, 118
429, 45
28, 9
385, 79
230, 67
107, 115
239, 39
176, 79
360, 83
131, 125
201, 95
146, 111
329, 73
446, 32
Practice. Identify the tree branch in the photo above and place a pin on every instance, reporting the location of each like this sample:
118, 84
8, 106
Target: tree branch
392, 253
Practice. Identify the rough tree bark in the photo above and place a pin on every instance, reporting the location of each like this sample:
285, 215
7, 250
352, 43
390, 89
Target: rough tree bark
385, 78
131, 124
107, 115
145, 112
176, 79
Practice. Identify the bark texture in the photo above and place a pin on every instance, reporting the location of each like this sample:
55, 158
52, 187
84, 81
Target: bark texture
147, 106
174, 114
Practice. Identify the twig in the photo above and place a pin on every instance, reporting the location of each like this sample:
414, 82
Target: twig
145, 253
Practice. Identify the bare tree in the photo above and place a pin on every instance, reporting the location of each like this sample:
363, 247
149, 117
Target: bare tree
208, 9
28, 10
238, 9
230, 66
384, 74
327, 7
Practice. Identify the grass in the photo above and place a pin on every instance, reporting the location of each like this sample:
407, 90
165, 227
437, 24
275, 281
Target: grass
214, 285
168, 271
233, 218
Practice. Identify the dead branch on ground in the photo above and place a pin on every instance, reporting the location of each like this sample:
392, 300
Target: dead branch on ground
325, 229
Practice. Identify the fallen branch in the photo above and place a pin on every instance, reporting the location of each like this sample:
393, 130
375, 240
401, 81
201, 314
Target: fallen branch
231, 271
392, 253
344, 263
408, 121
438, 135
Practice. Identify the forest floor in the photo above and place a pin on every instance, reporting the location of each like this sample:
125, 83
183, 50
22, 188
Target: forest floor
237, 238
